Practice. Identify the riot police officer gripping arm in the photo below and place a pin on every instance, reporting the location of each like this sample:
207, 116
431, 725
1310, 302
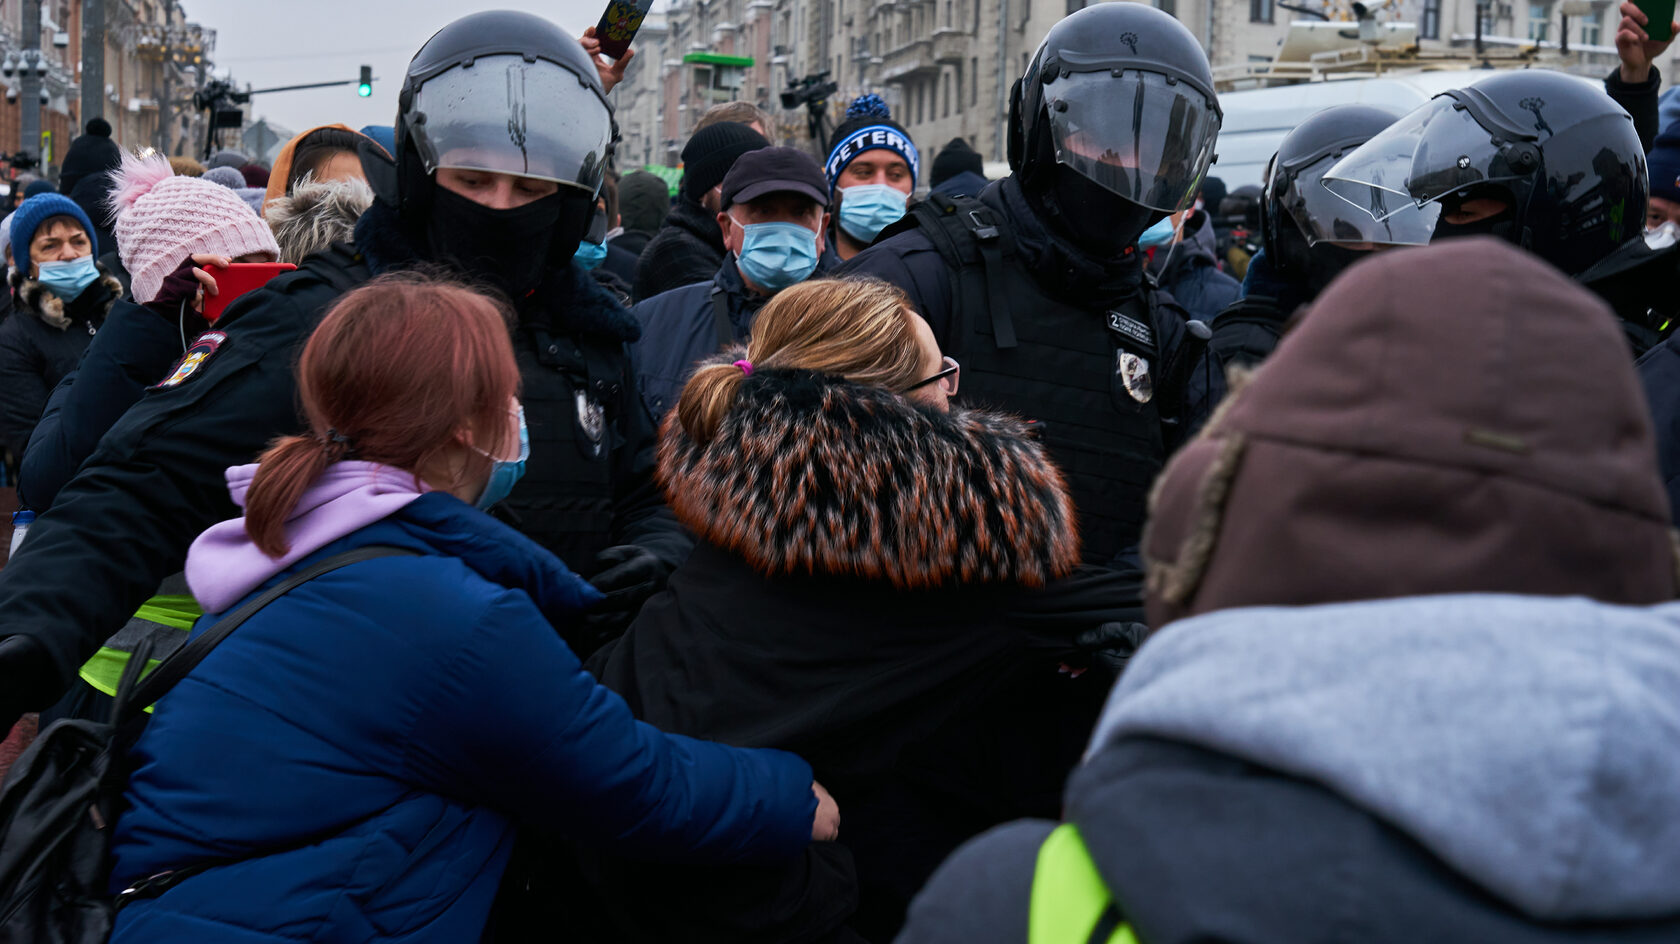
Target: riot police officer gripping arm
503, 138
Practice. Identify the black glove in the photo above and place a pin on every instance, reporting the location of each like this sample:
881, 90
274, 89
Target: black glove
1110, 646
28, 680
629, 576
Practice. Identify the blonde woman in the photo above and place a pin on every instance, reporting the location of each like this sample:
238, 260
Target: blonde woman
862, 546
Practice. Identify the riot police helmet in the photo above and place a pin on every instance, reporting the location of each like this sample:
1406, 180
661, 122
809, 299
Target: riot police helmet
1540, 159
508, 93
1114, 123
1310, 234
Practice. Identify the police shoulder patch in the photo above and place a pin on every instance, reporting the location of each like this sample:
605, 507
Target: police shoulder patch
198, 354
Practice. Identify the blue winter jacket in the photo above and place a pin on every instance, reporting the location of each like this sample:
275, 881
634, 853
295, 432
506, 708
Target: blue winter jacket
357, 754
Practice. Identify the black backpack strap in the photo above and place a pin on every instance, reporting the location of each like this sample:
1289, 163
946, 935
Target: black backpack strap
184, 660
969, 237
720, 318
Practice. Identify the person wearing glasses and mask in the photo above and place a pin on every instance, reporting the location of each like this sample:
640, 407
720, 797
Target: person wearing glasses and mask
773, 224
862, 592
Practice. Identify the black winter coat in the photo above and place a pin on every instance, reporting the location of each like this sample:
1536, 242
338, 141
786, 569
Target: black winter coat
688, 249
40, 343
156, 479
903, 652
1659, 373
679, 329
134, 349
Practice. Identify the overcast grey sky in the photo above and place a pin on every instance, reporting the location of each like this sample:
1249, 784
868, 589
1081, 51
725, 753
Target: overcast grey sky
302, 41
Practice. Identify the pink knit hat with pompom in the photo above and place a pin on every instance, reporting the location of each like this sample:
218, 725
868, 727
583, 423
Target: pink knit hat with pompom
162, 219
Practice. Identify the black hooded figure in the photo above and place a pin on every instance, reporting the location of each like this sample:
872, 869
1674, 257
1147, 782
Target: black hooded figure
85, 178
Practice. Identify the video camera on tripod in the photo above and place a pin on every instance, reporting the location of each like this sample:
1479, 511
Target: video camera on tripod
812, 91
220, 101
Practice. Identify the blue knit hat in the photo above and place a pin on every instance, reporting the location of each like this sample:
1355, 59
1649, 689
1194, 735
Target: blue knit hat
35, 211
1664, 162
869, 125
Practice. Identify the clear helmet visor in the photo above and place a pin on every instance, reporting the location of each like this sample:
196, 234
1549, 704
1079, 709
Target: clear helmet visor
511, 116
1433, 155
1325, 217
1139, 135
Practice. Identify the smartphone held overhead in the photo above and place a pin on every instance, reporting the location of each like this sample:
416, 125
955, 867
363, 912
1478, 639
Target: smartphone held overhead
618, 26
1659, 24
238, 279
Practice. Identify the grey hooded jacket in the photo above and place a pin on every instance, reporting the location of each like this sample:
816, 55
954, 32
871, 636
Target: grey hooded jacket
1452, 768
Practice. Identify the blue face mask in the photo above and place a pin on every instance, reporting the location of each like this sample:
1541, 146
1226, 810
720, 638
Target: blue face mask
867, 209
776, 255
1158, 235
67, 280
504, 473
589, 255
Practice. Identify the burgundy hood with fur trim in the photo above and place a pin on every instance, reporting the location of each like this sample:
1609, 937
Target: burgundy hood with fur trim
1454, 418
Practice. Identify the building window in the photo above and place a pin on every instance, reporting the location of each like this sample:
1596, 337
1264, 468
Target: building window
959, 87
945, 95
1169, 7
1260, 11
1590, 34
1539, 21
1430, 28
974, 80
1074, 6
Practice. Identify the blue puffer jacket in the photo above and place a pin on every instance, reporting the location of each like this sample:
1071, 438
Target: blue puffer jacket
357, 754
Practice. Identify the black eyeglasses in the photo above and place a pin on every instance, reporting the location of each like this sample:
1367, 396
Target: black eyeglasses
946, 379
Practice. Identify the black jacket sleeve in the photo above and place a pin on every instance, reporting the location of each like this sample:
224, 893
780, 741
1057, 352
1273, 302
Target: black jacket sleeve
154, 483
23, 386
640, 516
134, 349
1640, 101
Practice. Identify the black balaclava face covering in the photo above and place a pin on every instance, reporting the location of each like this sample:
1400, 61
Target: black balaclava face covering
509, 249
1310, 269
1101, 223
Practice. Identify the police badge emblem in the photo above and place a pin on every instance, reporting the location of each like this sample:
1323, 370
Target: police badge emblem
1134, 375
592, 419
193, 359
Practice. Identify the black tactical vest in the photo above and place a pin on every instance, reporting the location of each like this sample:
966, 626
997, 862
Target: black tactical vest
1090, 380
573, 396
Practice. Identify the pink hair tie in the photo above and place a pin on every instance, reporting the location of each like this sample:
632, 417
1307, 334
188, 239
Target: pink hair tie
746, 367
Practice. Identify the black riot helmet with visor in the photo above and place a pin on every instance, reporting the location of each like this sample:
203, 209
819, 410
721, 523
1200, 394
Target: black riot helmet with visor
1113, 125
1310, 235
508, 93
1557, 153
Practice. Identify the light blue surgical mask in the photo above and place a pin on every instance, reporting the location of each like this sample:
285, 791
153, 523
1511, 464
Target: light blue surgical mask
505, 473
1158, 235
589, 255
68, 280
867, 209
776, 255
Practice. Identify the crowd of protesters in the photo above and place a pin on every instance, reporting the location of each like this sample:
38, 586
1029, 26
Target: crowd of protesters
824, 550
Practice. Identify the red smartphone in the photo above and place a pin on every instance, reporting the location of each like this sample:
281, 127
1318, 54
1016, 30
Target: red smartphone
236, 280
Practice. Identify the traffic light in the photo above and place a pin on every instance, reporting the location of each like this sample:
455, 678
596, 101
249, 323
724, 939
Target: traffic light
365, 87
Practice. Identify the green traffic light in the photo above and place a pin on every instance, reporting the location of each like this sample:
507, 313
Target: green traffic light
364, 90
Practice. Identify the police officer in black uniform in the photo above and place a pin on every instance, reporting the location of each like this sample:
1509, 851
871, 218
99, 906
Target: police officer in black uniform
1036, 286
1308, 235
502, 141
1540, 159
